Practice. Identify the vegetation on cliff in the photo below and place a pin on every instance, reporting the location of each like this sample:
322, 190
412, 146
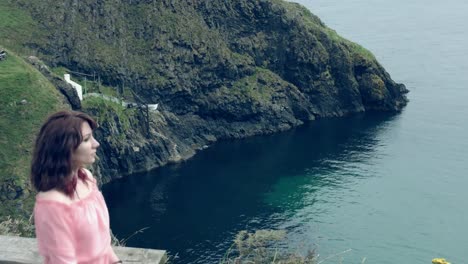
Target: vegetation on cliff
174, 53
217, 69
261, 247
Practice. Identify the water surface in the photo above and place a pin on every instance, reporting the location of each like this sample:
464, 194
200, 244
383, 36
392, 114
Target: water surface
392, 188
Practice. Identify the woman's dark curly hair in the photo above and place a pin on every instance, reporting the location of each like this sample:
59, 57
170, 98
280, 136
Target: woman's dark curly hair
59, 137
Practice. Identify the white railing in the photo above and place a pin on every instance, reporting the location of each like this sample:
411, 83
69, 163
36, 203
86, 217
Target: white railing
78, 88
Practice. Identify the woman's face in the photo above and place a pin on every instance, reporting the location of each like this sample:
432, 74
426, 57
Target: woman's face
85, 154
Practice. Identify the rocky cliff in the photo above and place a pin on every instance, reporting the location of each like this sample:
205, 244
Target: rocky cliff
218, 69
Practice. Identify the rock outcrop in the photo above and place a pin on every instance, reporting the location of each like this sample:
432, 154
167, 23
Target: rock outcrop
218, 69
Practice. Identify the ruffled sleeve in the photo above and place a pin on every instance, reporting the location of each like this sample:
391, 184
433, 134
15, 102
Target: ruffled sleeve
54, 232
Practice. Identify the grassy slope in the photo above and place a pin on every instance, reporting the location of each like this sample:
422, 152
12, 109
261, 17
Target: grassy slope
16, 27
20, 122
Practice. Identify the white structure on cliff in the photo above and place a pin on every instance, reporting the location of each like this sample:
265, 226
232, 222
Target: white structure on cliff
78, 88
153, 107
79, 91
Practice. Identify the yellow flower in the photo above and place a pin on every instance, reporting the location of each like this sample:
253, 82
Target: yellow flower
439, 261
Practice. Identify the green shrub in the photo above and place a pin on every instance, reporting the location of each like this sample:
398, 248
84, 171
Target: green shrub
17, 227
258, 247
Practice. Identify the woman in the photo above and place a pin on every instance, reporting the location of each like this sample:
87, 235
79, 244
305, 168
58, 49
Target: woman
70, 215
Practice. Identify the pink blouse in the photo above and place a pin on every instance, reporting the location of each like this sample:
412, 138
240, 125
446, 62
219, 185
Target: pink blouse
76, 233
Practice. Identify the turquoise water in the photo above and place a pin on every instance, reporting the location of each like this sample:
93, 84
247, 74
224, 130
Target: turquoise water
377, 187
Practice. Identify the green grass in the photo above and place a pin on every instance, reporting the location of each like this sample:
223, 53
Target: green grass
16, 26
256, 86
354, 47
59, 71
106, 111
314, 23
19, 122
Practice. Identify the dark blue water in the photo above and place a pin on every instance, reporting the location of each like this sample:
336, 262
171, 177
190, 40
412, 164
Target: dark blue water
377, 187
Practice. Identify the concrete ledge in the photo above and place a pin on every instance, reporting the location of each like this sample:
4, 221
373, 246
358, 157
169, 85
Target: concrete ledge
20, 250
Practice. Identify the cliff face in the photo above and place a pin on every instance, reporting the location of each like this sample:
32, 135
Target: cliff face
218, 69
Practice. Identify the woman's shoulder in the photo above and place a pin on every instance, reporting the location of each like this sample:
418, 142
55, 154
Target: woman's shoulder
56, 196
89, 175
53, 195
